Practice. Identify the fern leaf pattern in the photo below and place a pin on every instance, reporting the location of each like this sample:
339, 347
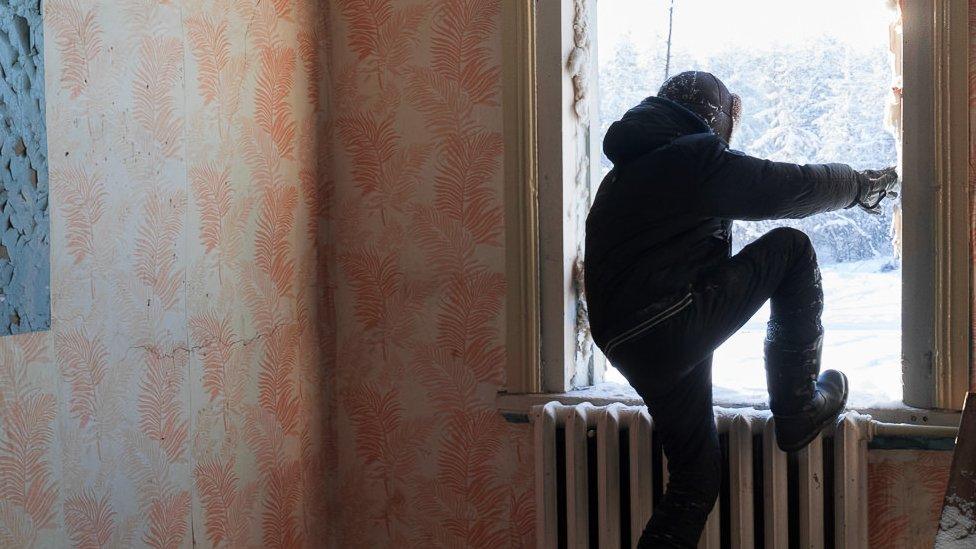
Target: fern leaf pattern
25, 473
309, 51
887, 525
227, 507
89, 519
443, 186
273, 111
84, 362
160, 68
371, 143
283, 8
381, 33
183, 377
160, 412
155, 246
211, 188
168, 521
211, 47
213, 336
79, 40
83, 206
276, 387
281, 478
273, 246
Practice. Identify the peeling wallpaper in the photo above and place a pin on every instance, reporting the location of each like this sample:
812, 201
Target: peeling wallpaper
25, 268
180, 396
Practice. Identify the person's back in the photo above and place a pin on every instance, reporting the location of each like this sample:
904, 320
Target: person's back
642, 236
663, 291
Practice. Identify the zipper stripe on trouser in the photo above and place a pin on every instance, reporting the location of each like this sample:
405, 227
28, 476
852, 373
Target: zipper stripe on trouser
649, 323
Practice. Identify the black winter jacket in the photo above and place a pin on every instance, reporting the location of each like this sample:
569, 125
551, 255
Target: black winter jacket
665, 210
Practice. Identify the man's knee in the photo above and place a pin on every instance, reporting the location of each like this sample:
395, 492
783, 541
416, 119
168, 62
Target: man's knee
796, 242
792, 237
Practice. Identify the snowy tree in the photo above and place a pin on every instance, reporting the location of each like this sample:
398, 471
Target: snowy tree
813, 102
786, 115
627, 77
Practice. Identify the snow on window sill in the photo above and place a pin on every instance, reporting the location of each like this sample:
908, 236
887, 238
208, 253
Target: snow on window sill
516, 407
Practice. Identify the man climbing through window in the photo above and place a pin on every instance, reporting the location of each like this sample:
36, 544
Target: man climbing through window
664, 290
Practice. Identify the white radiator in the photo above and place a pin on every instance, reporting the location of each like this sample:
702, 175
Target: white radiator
598, 470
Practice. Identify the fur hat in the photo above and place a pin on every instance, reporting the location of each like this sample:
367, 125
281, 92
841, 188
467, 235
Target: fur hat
705, 95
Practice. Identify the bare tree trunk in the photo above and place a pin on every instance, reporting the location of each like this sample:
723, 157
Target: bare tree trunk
667, 60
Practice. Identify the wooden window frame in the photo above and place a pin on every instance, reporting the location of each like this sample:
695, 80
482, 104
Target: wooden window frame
544, 339
523, 324
937, 262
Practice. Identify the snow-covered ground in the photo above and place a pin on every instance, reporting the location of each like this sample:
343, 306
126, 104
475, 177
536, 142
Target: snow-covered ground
862, 323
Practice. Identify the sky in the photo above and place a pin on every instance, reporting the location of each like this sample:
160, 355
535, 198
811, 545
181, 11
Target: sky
704, 25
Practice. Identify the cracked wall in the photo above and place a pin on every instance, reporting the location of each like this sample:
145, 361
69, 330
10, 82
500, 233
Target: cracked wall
25, 300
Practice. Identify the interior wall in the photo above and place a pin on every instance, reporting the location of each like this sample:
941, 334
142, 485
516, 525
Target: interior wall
179, 397
424, 458
905, 490
204, 208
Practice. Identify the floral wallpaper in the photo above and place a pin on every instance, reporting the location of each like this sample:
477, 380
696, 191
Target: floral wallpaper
180, 397
905, 490
425, 460
278, 286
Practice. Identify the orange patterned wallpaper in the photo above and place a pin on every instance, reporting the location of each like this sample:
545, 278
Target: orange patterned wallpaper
425, 459
180, 395
905, 489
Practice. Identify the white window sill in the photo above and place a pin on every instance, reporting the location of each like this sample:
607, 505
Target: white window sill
516, 407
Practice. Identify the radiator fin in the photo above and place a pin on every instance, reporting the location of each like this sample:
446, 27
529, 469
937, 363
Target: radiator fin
596, 481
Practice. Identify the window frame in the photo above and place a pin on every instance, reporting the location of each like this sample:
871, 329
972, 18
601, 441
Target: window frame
519, 100
550, 73
937, 258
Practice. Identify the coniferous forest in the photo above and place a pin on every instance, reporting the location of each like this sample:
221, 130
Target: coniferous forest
815, 102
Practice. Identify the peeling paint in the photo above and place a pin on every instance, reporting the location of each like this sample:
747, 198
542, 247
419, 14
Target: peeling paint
25, 296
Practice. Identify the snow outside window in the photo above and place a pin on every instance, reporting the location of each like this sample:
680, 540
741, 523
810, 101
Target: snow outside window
815, 80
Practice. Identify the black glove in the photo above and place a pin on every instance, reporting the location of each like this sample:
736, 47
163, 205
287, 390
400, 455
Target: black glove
875, 186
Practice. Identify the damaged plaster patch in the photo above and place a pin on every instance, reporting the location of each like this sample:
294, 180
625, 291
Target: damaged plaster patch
957, 526
25, 269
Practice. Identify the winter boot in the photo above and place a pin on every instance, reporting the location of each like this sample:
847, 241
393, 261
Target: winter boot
802, 403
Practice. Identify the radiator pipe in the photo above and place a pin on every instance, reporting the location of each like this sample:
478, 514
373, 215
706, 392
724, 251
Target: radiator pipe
758, 420
879, 428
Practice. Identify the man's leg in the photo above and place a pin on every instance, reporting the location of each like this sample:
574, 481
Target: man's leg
671, 368
684, 421
781, 265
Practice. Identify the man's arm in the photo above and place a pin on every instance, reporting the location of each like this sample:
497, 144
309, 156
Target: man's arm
732, 185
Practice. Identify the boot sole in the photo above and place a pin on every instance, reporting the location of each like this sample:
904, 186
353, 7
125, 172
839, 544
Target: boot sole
820, 427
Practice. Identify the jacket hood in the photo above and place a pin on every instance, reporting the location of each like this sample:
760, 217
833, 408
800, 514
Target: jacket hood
655, 122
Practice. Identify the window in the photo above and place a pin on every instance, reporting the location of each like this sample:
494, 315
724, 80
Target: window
816, 87
552, 104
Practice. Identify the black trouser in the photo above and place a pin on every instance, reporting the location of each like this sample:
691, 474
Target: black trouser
670, 366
